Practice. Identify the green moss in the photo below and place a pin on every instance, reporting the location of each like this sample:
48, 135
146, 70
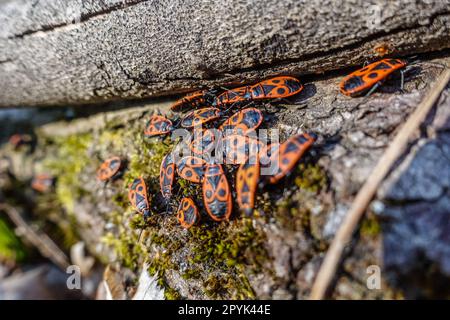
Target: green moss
60, 226
311, 177
171, 294
228, 245
120, 199
191, 274
214, 286
230, 249
147, 159
130, 253
137, 222
70, 160
11, 248
158, 266
370, 227
112, 139
237, 287
293, 213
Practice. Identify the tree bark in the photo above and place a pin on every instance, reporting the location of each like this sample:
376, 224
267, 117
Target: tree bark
77, 52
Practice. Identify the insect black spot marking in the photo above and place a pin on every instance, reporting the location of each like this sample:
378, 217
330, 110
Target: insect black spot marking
393, 61
257, 91
381, 66
291, 147
281, 91
353, 83
293, 85
302, 140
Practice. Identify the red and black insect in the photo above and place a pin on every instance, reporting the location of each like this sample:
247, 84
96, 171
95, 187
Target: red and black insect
243, 122
42, 182
269, 158
202, 142
109, 168
275, 88
201, 116
216, 193
167, 175
192, 100
137, 193
158, 125
369, 78
188, 214
191, 168
283, 157
237, 148
18, 140
247, 179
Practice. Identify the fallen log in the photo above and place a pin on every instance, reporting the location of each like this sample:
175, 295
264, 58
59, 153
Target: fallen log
72, 52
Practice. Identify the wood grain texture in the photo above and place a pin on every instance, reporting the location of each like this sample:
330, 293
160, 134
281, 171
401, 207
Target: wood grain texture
76, 52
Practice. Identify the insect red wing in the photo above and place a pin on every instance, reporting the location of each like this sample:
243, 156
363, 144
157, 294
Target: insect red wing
243, 122
216, 193
137, 194
278, 87
238, 148
190, 101
203, 142
167, 175
289, 154
235, 95
191, 168
361, 80
247, 179
188, 214
42, 182
109, 168
199, 117
158, 125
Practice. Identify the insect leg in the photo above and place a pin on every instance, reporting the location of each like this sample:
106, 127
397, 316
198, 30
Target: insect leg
105, 198
163, 141
372, 90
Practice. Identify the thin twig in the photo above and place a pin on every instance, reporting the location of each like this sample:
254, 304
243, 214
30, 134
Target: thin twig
366, 193
41, 241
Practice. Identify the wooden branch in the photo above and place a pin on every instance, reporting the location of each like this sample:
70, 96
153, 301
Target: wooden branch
40, 240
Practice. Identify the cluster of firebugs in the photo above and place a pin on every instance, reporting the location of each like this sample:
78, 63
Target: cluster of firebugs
207, 107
